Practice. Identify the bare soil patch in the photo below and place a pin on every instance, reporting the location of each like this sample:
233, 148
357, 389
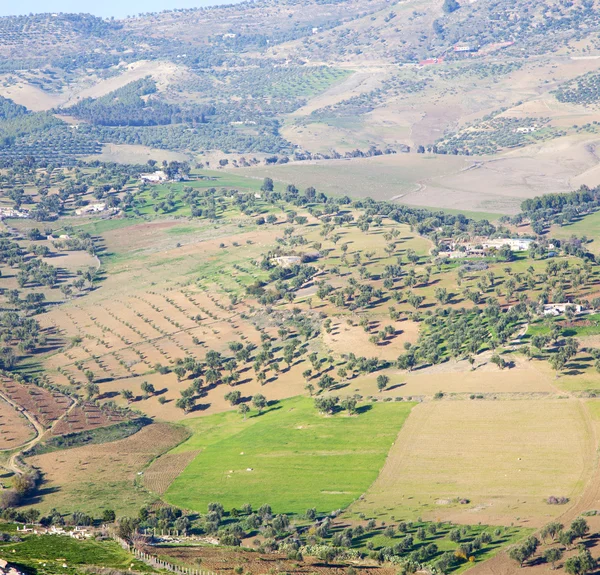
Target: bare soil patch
345, 338
224, 560
457, 378
15, 430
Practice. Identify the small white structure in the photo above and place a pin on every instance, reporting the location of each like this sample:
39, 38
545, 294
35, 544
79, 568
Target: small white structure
556, 309
91, 209
6, 212
453, 255
464, 48
286, 261
515, 244
155, 178
527, 129
76, 533
80, 533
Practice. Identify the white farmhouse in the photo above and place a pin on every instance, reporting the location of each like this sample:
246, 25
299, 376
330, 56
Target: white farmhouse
91, 209
556, 309
515, 244
155, 178
6, 212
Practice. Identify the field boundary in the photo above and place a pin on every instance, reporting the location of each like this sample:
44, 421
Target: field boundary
157, 563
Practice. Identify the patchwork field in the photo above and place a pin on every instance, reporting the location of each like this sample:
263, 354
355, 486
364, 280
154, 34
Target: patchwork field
290, 457
496, 184
502, 458
284, 288
316, 354
86, 478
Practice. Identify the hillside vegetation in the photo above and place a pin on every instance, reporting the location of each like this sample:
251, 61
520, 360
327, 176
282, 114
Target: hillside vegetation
301, 286
295, 81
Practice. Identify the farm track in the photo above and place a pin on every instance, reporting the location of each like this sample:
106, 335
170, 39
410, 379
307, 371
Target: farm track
39, 428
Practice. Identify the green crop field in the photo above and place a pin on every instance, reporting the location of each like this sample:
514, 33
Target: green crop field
587, 226
51, 553
291, 457
541, 328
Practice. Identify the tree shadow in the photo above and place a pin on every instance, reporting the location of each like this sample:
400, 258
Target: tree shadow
395, 386
364, 408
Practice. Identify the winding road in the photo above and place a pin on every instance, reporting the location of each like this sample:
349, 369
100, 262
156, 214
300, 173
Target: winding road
39, 429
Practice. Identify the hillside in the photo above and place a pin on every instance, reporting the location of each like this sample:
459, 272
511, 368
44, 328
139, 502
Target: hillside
306, 79
308, 287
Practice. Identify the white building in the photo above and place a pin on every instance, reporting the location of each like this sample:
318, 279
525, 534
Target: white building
556, 309
6, 212
155, 178
515, 244
91, 209
286, 261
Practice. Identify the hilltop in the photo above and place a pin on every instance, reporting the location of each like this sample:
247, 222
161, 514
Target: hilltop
285, 82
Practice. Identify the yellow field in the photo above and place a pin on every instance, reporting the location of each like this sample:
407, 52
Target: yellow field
504, 457
525, 379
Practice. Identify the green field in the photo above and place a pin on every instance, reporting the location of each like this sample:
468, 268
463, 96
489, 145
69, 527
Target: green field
541, 328
48, 553
291, 457
588, 226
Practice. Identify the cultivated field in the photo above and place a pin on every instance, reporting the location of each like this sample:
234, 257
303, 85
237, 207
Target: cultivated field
182, 308
15, 429
495, 184
46, 406
87, 478
290, 457
223, 561
502, 459
457, 380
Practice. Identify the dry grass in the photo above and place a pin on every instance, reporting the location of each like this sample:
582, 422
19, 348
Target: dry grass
457, 378
344, 338
165, 470
90, 86
505, 457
